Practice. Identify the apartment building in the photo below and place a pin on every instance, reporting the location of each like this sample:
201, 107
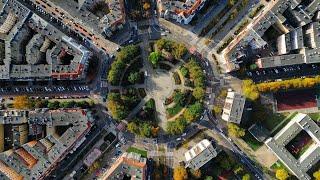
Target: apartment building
180, 11
200, 154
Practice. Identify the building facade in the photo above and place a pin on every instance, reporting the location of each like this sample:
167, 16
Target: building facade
200, 154
233, 107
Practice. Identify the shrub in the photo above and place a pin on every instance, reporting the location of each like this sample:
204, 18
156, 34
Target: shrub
184, 71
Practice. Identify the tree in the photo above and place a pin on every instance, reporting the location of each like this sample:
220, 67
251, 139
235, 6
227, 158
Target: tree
193, 111
146, 6
226, 163
82, 104
196, 174
155, 57
54, 105
179, 50
238, 169
40, 103
124, 57
115, 72
246, 177
235, 131
21, 102
132, 127
184, 71
250, 90
208, 178
198, 93
316, 175
118, 111
217, 110
282, 174
67, 104
151, 104
96, 165
176, 127
179, 98
145, 131
180, 173
134, 77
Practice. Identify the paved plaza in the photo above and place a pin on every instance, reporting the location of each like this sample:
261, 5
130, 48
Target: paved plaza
160, 85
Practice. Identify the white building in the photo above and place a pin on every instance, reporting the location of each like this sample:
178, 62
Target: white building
233, 107
200, 154
298, 166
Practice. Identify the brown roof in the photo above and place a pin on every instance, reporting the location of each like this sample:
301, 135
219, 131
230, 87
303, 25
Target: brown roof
9, 172
134, 163
28, 159
32, 143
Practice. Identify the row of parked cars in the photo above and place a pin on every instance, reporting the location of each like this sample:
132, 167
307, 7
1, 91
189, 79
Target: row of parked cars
80, 88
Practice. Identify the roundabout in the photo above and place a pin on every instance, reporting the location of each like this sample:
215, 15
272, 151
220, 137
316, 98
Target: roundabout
157, 90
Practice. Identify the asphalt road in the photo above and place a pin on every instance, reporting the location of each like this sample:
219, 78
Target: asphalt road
244, 159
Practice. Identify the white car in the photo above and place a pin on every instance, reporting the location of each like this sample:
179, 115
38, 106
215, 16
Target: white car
178, 139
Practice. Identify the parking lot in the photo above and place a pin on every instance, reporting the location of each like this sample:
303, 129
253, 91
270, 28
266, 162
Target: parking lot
295, 71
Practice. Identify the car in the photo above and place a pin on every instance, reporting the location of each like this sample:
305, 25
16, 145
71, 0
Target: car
131, 41
184, 134
163, 34
118, 145
178, 139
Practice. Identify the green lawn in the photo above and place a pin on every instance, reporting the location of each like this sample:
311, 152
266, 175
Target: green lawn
315, 116
174, 110
268, 119
287, 119
251, 141
138, 151
278, 165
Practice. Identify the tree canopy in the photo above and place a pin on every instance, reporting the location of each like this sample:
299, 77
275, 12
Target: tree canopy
117, 106
21, 102
246, 177
124, 57
140, 128
193, 111
134, 77
235, 131
155, 57
176, 127
282, 174
252, 90
316, 175
180, 173
176, 49
195, 73
198, 93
